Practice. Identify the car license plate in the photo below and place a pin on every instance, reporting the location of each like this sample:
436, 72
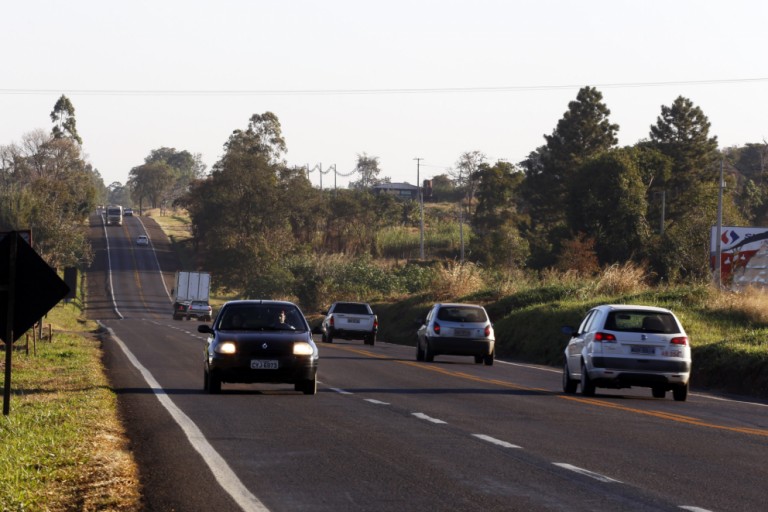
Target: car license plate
461, 332
260, 364
637, 349
353, 320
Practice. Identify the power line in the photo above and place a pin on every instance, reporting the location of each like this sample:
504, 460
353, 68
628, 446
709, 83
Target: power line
346, 92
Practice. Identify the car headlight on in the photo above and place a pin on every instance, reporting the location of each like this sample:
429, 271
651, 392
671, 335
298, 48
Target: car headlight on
226, 347
302, 348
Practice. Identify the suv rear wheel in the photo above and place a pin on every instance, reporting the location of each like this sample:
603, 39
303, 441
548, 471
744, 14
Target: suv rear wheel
680, 392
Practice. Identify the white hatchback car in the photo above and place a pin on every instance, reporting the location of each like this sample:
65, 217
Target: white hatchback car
142, 240
620, 346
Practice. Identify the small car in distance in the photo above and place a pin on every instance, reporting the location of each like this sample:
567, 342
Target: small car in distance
128, 212
142, 240
180, 309
350, 321
622, 346
259, 341
200, 310
456, 329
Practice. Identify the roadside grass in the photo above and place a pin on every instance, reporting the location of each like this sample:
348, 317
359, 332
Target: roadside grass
728, 331
176, 225
63, 446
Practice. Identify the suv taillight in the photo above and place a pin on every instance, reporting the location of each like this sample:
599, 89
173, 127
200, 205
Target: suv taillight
330, 321
605, 336
375, 323
682, 340
436, 328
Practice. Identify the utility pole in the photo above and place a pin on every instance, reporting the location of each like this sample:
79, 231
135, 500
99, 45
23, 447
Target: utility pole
421, 209
461, 222
718, 233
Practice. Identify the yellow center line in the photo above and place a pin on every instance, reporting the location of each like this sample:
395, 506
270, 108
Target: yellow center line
590, 401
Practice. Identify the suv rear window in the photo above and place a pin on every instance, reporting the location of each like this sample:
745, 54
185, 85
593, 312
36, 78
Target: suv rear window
461, 314
641, 321
351, 309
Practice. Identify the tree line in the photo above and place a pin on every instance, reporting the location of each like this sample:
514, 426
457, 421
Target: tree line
578, 202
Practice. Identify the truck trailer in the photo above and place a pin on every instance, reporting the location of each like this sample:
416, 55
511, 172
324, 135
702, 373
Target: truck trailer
190, 286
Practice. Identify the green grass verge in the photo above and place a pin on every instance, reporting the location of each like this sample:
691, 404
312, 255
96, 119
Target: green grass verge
730, 345
63, 447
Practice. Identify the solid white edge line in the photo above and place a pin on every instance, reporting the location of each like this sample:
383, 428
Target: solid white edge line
109, 268
423, 416
556, 370
154, 253
581, 471
223, 474
495, 441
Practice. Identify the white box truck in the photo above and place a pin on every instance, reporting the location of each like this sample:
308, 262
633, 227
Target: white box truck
191, 286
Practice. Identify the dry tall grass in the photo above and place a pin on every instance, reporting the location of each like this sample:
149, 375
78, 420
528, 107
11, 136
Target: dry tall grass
751, 302
454, 279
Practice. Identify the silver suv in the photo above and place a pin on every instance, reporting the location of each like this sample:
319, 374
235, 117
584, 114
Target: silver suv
620, 346
350, 321
456, 329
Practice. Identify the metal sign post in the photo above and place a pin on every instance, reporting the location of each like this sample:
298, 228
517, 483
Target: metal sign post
10, 290
29, 288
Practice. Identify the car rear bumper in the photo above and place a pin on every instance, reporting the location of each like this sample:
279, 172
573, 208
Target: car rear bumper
627, 372
349, 334
460, 346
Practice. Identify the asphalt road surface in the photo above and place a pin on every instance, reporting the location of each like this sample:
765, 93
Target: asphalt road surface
387, 433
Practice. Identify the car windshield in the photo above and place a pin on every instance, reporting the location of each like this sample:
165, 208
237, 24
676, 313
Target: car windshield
351, 309
462, 314
262, 317
642, 321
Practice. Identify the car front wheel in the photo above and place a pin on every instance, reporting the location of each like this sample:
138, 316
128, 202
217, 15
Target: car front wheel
569, 385
308, 386
213, 382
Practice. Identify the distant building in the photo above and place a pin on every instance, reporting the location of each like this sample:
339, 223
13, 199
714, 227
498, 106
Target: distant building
401, 190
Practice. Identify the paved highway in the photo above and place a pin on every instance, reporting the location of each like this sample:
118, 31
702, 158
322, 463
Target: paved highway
387, 433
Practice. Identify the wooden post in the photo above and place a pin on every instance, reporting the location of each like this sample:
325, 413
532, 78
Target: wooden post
11, 291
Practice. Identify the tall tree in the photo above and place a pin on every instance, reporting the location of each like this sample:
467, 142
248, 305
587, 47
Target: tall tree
467, 175
497, 240
608, 204
682, 133
48, 188
246, 218
152, 182
368, 169
583, 132
186, 168
63, 117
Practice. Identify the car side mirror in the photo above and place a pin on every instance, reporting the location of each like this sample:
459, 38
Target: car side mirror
205, 329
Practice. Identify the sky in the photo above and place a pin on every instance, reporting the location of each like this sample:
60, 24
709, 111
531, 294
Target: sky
396, 80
